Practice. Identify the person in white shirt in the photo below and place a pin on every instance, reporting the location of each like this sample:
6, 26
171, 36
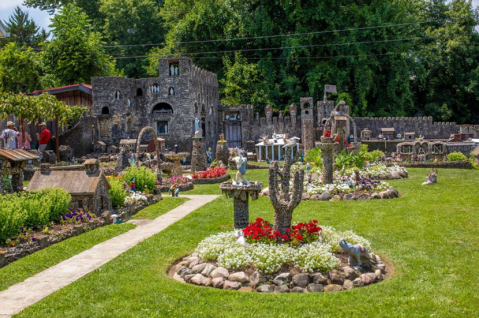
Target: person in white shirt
9, 136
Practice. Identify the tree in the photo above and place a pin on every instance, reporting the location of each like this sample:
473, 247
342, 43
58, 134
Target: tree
19, 69
23, 30
75, 54
284, 199
129, 25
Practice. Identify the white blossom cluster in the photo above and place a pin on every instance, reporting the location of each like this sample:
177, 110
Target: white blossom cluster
134, 197
269, 258
340, 186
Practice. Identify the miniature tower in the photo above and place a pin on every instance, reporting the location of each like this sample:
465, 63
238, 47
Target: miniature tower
307, 122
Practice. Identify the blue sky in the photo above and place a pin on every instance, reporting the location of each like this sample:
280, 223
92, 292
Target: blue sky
42, 18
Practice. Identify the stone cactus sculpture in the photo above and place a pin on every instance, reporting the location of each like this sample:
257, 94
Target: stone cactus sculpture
358, 254
282, 198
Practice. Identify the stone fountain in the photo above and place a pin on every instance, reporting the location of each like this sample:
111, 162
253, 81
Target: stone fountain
176, 158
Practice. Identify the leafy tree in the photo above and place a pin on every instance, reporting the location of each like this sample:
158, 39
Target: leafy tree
23, 30
19, 69
75, 53
132, 22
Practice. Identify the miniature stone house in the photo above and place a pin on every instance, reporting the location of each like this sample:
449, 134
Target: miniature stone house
12, 162
128, 144
100, 147
388, 133
409, 135
86, 184
66, 153
112, 149
366, 134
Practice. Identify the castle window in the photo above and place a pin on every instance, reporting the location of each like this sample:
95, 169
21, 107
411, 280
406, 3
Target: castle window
162, 127
105, 111
211, 110
162, 108
117, 95
203, 110
171, 91
155, 89
196, 108
174, 69
139, 92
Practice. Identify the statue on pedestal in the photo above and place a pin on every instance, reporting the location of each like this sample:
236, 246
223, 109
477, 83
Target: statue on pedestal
241, 163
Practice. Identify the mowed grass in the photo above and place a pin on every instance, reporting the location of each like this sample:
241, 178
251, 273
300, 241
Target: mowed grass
155, 210
32, 264
430, 235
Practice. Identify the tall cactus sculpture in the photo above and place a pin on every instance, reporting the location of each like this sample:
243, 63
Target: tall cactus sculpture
284, 199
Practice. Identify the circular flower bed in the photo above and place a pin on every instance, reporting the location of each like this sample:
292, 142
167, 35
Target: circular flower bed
183, 183
307, 259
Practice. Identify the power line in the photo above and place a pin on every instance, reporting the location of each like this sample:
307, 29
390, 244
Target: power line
284, 35
282, 47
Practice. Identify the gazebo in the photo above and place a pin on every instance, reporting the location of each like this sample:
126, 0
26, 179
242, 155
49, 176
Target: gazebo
273, 149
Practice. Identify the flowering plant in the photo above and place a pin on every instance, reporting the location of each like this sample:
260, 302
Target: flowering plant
135, 197
261, 231
210, 173
76, 216
177, 180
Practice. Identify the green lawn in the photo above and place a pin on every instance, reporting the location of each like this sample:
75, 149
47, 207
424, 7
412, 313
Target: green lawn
32, 264
430, 234
153, 211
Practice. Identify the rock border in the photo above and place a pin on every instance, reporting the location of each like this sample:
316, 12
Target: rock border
183, 187
192, 270
220, 179
391, 193
464, 164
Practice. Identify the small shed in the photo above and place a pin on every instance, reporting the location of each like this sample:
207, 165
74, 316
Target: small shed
410, 135
143, 148
100, 147
128, 144
87, 185
366, 134
12, 162
388, 133
152, 147
112, 149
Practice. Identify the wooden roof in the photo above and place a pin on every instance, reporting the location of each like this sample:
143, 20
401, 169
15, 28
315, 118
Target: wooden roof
388, 129
17, 155
75, 182
127, 141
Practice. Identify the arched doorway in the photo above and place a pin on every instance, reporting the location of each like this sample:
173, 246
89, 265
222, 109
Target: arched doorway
162, 108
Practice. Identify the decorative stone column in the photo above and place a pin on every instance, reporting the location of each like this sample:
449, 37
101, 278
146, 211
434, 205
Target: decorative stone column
222, 152
241, 196
327, 146
198, 156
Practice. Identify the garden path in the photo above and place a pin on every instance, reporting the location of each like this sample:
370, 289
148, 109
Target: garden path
20, 296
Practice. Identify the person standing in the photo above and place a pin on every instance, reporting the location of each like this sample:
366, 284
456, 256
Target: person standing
43, 139
9, 136
28, 139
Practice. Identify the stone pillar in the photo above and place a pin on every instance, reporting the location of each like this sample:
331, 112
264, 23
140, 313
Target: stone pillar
307, 123
327, 146
198, 156
222, 152
17, 184
241, 213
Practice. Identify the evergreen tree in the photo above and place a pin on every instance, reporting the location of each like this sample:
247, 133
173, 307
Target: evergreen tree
23, 30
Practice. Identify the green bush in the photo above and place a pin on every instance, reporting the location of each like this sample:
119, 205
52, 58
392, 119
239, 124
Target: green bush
34, 209
456, 156
373, 155
117, 192
314, 156
144, 177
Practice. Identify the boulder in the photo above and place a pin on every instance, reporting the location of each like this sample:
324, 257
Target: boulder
315, 197
239, 277
378, 274
349, 197
282, 279
348, 284
314, 288
192, 261
197, 279
218, 282
375, 196
220, 272
358, 282
363, 197
318, 278
281, 289
301, 280
382, 268
256, 278
306, 196
349, 273
198, 268
368, 278
229, 285
335, 277
384, 195
297, 290
324, 196
208, 269
188, 277
265, 288
265, 192
333, 288
336, 198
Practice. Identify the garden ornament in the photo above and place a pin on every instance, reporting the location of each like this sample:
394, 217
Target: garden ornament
357, 253
209, 155
291, 143
115, 219
431, 178
174, 189
308, 168
356, 178
198, 130
132, 160
132, 184
240, 236
241, 163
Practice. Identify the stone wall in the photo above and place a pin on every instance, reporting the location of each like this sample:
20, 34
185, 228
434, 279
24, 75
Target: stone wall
421, 125
82, 136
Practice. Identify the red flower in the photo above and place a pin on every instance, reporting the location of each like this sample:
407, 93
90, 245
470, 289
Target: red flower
315, 221
288, 230
277, 233
285, 237
299, 237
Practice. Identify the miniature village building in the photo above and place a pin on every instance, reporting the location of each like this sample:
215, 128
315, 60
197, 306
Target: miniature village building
86, 184
388, 133
411, 135
100, 147
366, 134
12, 162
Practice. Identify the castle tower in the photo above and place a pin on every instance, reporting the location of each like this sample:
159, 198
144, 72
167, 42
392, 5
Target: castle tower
307, 123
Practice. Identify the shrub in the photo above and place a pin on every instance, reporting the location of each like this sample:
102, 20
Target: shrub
373, 155
117, 192
314, 156
145, 178
34, 209
456, 156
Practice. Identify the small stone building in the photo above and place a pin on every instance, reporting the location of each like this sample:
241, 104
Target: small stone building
388, 133
128, 144
112, 149
100, 147
366, 134
12, 162
86, 184
410, 135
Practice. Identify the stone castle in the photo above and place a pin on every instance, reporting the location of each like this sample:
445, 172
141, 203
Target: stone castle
182, 92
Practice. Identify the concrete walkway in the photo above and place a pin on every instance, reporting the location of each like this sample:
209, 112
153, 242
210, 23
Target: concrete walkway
24, 294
